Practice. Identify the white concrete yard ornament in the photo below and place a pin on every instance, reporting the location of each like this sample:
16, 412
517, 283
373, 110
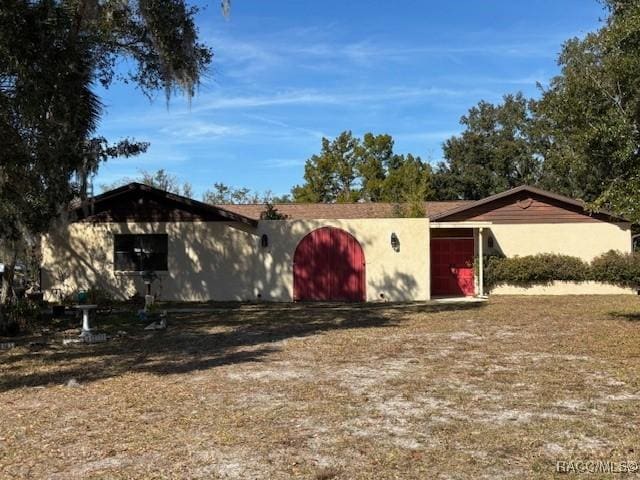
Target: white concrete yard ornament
86, 327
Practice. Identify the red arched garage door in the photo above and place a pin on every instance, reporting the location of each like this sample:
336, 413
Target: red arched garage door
328, 265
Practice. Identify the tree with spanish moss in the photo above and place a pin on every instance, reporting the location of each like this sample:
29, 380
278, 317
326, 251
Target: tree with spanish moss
53, 55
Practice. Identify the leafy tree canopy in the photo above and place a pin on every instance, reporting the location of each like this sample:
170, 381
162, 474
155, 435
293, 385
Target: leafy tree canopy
588, 117
495, 152
222, 194
52, 54
581, 138
349, 169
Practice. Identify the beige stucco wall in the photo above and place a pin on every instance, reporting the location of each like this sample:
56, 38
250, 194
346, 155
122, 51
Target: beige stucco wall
564, 288
583, 240
207, 260
399, 276
224, 261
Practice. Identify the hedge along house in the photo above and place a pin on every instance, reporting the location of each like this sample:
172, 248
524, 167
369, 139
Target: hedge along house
320, 252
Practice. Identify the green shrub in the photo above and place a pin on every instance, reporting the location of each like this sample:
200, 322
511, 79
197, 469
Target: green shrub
617, 268
613, 267
534, 269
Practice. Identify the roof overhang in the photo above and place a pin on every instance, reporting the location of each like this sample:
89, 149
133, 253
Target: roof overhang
187, 204
459, 224
611, 217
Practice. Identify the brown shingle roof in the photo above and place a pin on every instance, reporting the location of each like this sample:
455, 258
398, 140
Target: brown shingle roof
309, 211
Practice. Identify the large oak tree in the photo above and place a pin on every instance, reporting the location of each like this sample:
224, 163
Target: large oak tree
53, 54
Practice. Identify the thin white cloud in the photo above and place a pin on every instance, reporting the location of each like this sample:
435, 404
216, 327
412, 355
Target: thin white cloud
244, 58
278, 50
314, 97
248, 60
287, 49
530, 79
154, 155
201, 130
287, 126
283, 162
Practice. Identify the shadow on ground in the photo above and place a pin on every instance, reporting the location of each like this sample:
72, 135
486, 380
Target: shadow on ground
226, 334
630, 316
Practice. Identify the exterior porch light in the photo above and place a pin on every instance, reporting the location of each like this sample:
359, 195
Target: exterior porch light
264, 240
395, 242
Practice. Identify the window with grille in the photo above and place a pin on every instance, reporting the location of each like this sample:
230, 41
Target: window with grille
140, 253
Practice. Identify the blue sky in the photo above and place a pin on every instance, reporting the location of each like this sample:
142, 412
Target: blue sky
286, 73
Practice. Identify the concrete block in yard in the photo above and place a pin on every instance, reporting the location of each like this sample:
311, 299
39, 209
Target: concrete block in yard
95, 338
86, 338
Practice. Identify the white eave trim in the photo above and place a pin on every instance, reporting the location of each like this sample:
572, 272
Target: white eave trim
459, 224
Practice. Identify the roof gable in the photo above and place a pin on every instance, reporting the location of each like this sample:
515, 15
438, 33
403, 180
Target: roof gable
142, 203
526, 204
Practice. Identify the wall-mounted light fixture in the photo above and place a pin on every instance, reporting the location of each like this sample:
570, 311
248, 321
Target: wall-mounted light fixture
395, 242
264, 240
490, 241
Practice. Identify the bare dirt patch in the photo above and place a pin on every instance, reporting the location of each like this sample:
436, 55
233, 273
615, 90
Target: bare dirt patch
333, 391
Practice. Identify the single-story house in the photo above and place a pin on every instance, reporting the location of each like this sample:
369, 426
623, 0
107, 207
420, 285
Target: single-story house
321, 252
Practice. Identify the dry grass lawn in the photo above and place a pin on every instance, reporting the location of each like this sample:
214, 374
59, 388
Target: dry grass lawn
500, 390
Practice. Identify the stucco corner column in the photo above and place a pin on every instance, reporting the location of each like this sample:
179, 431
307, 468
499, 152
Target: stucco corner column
480, 262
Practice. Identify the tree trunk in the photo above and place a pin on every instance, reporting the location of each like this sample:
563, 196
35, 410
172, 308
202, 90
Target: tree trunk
7, 284
7, 277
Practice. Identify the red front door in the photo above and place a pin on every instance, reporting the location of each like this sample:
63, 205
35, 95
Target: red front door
452, 267
328, 265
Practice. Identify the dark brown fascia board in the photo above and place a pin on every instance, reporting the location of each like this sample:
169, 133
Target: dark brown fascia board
231, 216
530, 189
